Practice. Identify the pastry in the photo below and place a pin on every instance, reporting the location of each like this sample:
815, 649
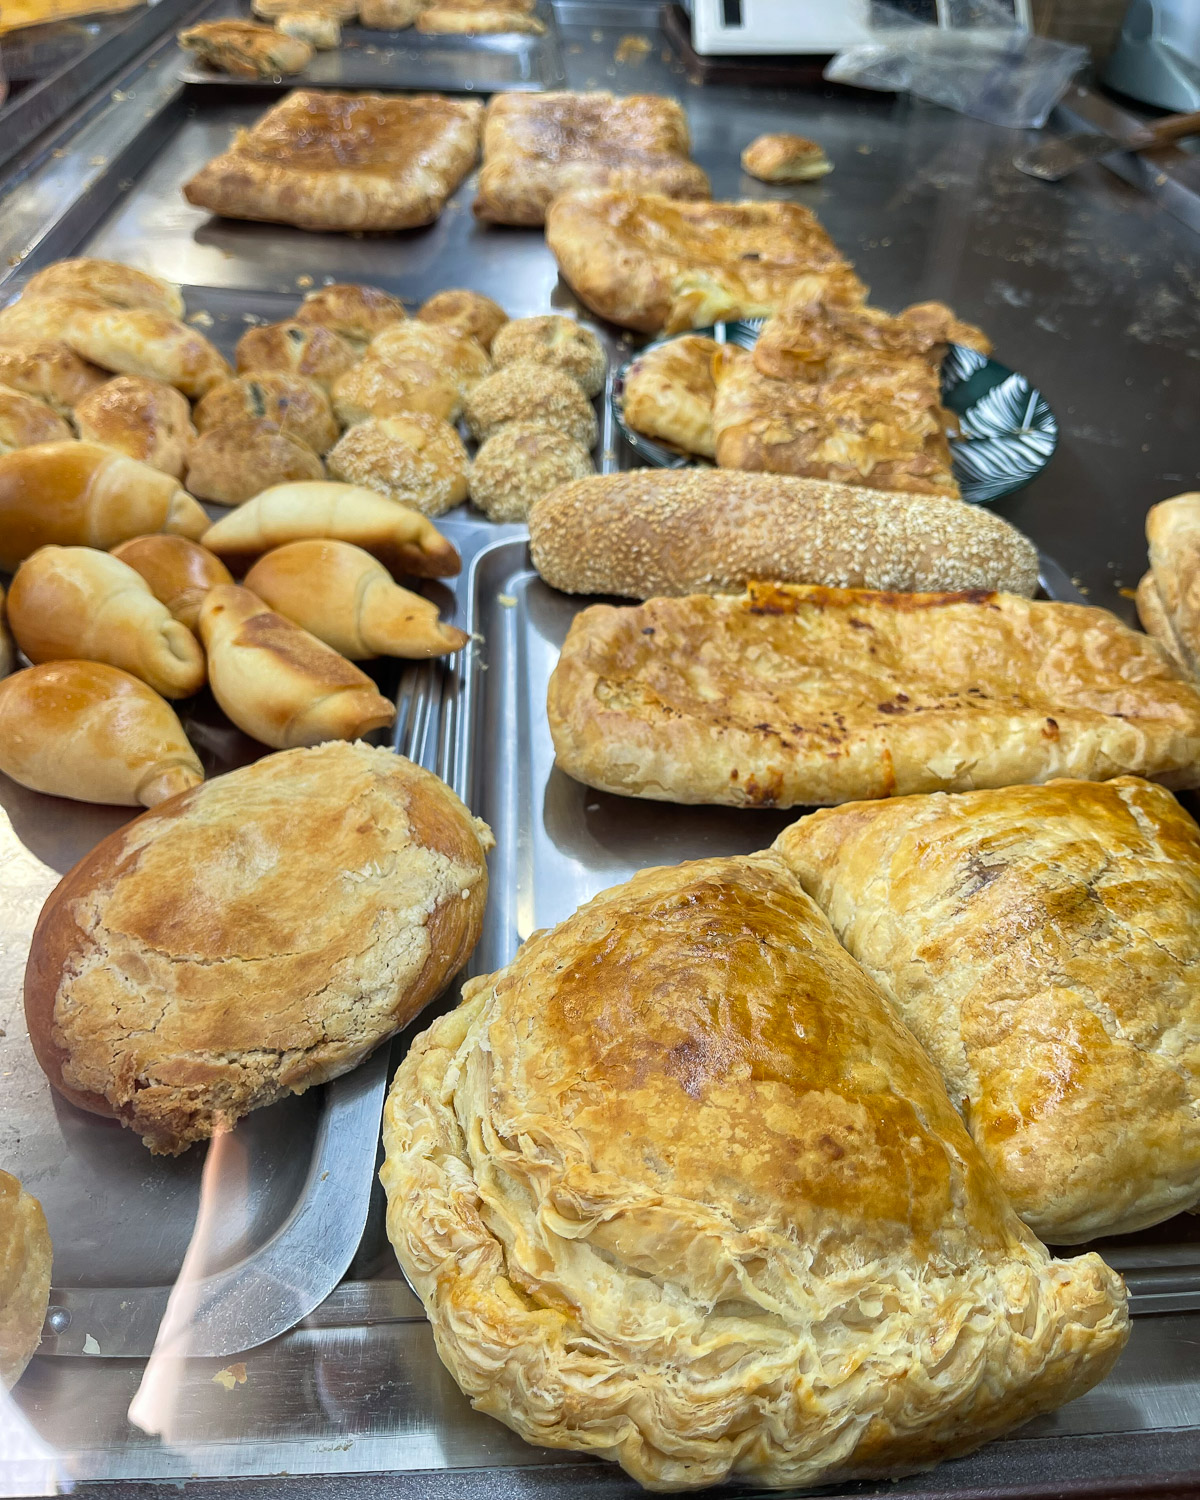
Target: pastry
87, 495
559, 342
177, 572
538, 145
145, 419
298, 405
528, 392
881, 425
482, 20
329, 894
785, 158
324, 32
1152, 612
1041, 943
677, 1189
337, 10
392, 388
656, 264
416, 459
669, 394
405, 541
279, 684
245, 49
454, 353
25, 421
44, 317
295, 348
238, 460
25, 1255
796, 695
77, 603
49, 370
700, 531
8, 653
345, 598
389, 15
354, 313
136, 341
111, 281
519, 463
330, 161
88, 731
468, 313
1173, 531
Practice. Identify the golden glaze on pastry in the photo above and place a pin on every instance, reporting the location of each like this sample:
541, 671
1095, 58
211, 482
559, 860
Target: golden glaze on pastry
468, 313
44, 317
482, 20
246, 49
654, 263
330, 161
138, 341
24, 421
355, 313
146, 419
390, 388
785, 158
299, 405
25, 1256
677, 1189
449, 351
112, 281
295, 348
669, 394
1173, 531
1042, 944
794, 695
538, 145
49, 370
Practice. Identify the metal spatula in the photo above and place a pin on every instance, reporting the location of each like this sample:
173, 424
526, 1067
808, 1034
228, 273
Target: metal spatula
1054, 159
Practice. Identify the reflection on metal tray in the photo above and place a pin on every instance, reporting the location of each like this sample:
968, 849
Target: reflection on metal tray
508, 62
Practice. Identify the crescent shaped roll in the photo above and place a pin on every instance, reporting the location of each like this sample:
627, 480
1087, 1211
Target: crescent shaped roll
83, 494
138, 341
110, 281
347, 599
25, 1256
405, 541
88, 731
70, 603
178, 572
280, 684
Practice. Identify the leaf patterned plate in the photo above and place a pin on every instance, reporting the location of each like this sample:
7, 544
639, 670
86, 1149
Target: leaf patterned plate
1007, 432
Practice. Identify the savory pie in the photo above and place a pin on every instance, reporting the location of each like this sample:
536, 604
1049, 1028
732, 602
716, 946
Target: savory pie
246, 49
670, 391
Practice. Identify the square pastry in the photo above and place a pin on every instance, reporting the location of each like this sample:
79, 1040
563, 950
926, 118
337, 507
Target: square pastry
327, 161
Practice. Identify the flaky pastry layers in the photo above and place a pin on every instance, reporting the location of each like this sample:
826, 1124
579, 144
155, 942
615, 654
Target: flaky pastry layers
25, 1257
1042, 943
677, 1189
651, 262
329, 161
797, 695
253, 937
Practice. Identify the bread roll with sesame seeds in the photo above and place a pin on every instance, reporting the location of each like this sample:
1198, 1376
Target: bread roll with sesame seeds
648, 532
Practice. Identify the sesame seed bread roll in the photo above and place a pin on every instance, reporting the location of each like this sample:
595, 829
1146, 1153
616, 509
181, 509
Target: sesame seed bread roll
647, 533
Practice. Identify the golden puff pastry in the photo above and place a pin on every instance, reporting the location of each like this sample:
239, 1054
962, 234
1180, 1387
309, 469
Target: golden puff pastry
477, 20
294, 348
468, 313
298, 405
178, 572
138, 341
24, 421
559, 342
678, 1189
44, 317
785, 158
146, 419
1173, 531
655, 263
395, 387
416, 459
112, 281
50, 370
245, 49
669, 394
456, 354
328, 161
355, 313
238, 460
521, 462
25, 1256
1041, 942
538, 145
528, 392
793, 695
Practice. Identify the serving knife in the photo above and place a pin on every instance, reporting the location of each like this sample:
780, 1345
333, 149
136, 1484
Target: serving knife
1053, 159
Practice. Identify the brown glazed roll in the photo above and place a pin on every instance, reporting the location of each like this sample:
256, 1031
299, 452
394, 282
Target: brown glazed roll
25, 1256
111, 281
239, 460
26, 420
469, 313
299, 405
50, 370
145, 419
355, 313
295, 348
179, 572
137, 341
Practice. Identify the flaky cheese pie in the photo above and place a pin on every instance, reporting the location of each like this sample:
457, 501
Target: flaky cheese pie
344, 161
1042, 943
678, 1189
795, 695
670, 391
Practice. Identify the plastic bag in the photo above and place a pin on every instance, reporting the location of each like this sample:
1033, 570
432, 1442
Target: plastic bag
979, 62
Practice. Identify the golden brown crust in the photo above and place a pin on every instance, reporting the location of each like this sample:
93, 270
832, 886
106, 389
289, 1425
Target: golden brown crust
529, 392
356, 313
139, 341
280, 972
480, 20
654, 263
519, 463
112, 281
538, 145
394, 387
178, 572
796, 695
300, 406
25, 1256
50, 370
469, 313
1041, 942
246, 49
785, 158
294, 348
416, 459
670, 391
145, 419
24, 421
1173, 531
677, 1189
448, 350
1152, 612
238, 460
45, 317
561, 343
328, 161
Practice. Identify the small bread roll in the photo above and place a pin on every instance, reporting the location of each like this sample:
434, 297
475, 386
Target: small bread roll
520, 463
389, 15
90, 732
111, 281
177, 572
77, 603
43, 317
295, 349
529, 392
319, 31
785, 158
348, 600
146, 419
299, 406
556, 341
355, 313
25, 1256
280, 684
231, 463
458, 355
136, 341
83, 494
24, 421
8, 653
470, 314
378, 388
413, 458
49, 370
